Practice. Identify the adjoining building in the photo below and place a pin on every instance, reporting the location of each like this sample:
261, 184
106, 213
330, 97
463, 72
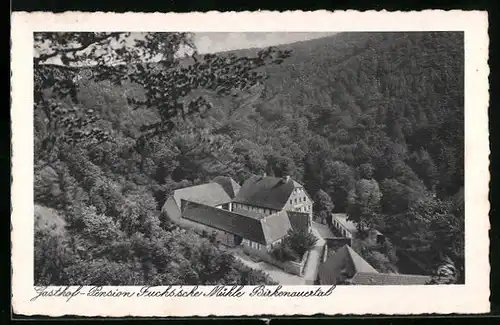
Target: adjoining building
265, 195
348, 228
257, 215
345, 227
234, 229
345, 266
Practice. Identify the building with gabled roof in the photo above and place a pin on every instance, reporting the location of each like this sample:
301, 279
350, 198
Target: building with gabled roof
342, 265
212, 194
229, 222
344, 226
228, 184
348, 228
234, 229
266, 195
257, 215
265, 192
363, 278
346, 266
218, 193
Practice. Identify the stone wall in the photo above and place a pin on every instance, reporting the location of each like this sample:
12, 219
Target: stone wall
337, 242
291, 267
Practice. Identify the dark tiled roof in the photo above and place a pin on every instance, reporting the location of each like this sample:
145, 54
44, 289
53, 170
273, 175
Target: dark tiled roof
298, 220
344, 264
363, 278
211, 194
337, 268
360, 265
266, 192
275, 226
228, 184
234, 223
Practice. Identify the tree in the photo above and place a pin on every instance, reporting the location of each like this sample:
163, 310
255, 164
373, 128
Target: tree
52, 255
171, 87
364, 203
366, 171
424, 166
324, 206
300, 241
158, 136
334, 177
398, 197
283, 252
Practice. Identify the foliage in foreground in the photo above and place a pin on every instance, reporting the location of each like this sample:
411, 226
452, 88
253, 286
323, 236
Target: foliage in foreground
88, 143
294, 245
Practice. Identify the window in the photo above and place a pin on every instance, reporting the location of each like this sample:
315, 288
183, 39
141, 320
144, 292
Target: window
304, 199
295, 200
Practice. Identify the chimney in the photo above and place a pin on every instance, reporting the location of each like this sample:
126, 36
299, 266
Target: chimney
286, 178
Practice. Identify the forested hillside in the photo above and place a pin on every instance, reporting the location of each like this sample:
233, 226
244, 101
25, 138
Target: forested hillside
373, 120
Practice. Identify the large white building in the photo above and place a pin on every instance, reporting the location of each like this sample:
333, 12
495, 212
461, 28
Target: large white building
265, 195
257, 215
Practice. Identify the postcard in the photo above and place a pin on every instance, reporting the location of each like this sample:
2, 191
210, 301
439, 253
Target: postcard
250, 163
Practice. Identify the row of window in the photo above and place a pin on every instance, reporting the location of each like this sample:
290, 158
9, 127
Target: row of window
344, 232
306, 208
253, 209
298, 200
253, 244
276, 243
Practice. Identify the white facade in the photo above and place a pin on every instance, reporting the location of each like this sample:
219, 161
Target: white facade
346, 227
262, 211
299, 201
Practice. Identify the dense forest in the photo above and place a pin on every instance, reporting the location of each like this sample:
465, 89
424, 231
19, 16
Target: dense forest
370, 123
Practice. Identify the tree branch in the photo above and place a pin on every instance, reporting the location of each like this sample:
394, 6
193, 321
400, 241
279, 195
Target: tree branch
83, 46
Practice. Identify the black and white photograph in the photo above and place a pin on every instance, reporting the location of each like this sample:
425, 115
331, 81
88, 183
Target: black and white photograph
249, 158
256, 158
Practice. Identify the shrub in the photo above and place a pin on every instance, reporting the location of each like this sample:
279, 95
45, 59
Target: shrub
284, 253
300, 241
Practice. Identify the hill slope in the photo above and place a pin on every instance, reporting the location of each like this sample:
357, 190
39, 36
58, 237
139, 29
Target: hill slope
375, 120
